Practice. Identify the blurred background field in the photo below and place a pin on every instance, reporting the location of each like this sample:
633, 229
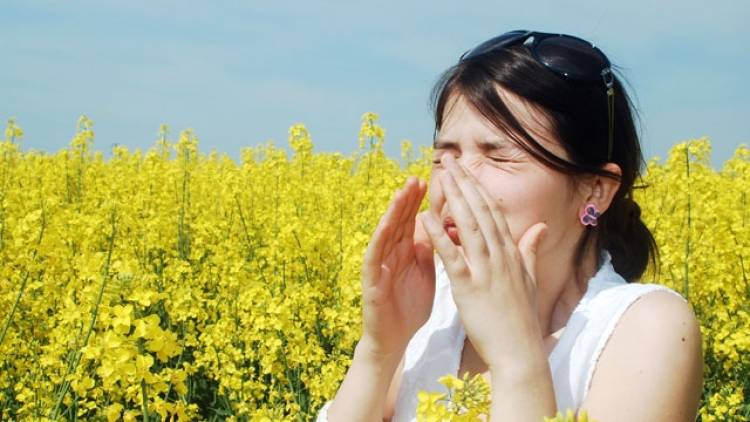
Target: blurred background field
173, 283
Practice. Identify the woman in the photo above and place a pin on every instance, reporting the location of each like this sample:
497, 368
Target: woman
539, 249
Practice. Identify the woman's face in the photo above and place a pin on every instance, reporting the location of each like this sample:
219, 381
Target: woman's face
527, 191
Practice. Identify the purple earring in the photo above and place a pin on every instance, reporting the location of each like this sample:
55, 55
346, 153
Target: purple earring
590, 215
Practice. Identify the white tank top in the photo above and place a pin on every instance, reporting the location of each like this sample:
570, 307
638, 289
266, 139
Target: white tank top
436, 348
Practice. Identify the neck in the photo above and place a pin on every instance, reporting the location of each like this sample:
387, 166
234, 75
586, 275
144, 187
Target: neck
558, 290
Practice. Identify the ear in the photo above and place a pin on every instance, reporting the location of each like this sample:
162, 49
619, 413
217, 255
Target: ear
600, 190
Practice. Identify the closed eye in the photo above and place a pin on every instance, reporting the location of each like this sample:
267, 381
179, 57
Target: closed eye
436, 161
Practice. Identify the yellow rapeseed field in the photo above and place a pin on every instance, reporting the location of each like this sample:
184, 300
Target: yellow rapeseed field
173, 284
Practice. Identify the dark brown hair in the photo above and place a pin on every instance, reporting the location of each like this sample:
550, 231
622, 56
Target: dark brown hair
578, 116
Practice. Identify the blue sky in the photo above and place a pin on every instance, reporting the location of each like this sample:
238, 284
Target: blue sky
240, 73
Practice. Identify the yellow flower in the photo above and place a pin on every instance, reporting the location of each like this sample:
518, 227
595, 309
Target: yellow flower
113, 412
131, 415
164, 345
122, 318
147, 327
451, 382
82, 385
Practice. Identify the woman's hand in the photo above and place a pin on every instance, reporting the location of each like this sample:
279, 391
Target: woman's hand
492, 280
398, 275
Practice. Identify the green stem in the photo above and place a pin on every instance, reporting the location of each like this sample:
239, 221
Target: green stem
144, 392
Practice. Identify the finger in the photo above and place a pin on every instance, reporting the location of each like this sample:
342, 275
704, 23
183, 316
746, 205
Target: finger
403, 244
528, 247
381, 235
479, 203
423, 247
420, 232
421, 189
453, 261
504, 235
400, 218
410, 190
469, 229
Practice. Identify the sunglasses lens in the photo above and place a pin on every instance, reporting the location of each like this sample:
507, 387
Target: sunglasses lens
495, 43
575, 58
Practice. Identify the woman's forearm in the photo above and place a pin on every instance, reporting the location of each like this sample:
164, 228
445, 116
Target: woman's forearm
525, 395
361, 396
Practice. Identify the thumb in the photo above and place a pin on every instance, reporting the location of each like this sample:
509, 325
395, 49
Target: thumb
423, 248
420, 233
528, 246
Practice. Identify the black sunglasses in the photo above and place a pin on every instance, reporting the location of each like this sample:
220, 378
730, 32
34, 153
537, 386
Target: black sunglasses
569, 57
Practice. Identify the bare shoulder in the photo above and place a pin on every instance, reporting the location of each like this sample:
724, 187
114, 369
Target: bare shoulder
651, 368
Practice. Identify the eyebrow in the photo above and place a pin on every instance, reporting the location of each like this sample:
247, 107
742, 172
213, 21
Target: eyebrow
484, 145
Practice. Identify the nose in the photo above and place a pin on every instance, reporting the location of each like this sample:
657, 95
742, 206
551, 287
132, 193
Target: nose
469, 163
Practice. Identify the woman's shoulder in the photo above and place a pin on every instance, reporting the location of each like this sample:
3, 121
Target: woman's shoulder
621, 321
652, 303
636, 290
637, 303
608, 287
659, 337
